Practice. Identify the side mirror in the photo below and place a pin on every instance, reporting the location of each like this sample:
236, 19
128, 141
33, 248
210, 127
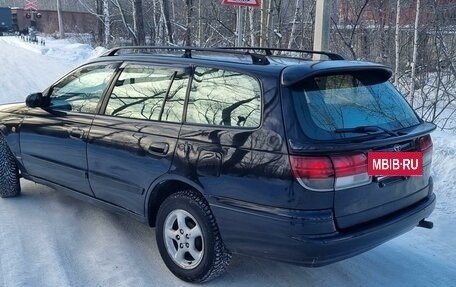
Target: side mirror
34, 100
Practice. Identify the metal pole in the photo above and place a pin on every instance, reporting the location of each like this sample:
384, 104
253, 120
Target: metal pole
321, 32
240, 27
60, 20
200, 28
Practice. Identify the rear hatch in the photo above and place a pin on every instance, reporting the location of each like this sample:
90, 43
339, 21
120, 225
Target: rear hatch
335, 118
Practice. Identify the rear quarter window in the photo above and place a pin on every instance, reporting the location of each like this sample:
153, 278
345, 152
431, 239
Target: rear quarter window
224, 98
326, 103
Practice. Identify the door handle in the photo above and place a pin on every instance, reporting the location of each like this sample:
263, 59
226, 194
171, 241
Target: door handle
76, 133
159, 148
187, 147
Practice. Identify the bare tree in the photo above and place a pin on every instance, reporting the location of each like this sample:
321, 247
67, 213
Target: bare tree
415, 53
269, 22
251, 12
107, 23
188, 31
123, 16
200, 24
397, 42
381, 31
96, 11
294, 25
348, 41
263, 22
166, 18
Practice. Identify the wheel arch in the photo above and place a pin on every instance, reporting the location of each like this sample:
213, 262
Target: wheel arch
162, 188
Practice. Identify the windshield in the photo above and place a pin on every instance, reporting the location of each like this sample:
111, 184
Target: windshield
325, 104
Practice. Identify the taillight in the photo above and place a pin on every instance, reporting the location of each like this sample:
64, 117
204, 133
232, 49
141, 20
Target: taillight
330, 173
351, 171
315, 173
425, 146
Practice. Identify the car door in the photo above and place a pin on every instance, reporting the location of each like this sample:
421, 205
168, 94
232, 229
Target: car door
53, 138
132, 143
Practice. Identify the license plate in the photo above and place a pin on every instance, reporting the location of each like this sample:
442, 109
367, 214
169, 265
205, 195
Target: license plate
395, 163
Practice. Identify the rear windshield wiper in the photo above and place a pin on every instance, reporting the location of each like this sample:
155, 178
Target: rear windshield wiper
366, 129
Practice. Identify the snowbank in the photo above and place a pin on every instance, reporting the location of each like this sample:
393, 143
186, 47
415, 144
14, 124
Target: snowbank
60, 49
29, 68
444, 174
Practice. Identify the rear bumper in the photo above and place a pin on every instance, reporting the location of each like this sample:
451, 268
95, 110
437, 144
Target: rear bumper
279, 235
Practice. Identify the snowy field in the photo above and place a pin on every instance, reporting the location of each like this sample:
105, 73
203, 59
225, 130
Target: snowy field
49, 239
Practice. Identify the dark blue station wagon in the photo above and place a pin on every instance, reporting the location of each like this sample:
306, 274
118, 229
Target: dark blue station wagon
260, 152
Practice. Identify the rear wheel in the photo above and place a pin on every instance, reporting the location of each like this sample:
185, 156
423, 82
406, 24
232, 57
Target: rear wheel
188, 238
9, 173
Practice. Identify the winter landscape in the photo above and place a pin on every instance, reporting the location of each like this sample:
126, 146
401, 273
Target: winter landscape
50, 239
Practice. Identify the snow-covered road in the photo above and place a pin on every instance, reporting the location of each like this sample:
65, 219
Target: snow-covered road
50, 239
25, 71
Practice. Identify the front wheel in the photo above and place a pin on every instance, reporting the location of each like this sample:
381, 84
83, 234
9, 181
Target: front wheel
188, 238
9, 173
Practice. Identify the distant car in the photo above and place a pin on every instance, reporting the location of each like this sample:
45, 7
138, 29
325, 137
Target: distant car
227, 151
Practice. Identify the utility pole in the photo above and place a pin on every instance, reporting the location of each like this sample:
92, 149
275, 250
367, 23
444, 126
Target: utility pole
59, 16
321, 32
200, 28
138, 23
240, 27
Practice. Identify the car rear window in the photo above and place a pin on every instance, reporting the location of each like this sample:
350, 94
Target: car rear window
324, 104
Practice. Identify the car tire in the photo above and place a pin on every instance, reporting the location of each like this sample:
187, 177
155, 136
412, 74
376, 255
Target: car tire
188, 238
9, 172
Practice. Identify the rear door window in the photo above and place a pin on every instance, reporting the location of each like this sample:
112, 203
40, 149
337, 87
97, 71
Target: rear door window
326, 103
149, 93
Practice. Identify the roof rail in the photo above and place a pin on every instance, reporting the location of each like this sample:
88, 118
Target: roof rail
269, 51
257, 59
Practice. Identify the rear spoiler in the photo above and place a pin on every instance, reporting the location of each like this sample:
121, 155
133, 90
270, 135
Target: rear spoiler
346, 145
292, 75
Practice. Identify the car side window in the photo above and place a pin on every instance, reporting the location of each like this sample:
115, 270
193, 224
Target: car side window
224, 98
82, 90
150, 93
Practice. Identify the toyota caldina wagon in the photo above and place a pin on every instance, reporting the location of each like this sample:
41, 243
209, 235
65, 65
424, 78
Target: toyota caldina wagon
227, 151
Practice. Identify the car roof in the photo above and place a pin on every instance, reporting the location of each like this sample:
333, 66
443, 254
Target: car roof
290, 69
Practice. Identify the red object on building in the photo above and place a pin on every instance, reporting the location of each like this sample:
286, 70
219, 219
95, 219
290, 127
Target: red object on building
31, 5
79, 22
248, 3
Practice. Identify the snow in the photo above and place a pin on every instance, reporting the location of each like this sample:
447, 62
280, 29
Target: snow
444, 174
28, 68
50, 239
